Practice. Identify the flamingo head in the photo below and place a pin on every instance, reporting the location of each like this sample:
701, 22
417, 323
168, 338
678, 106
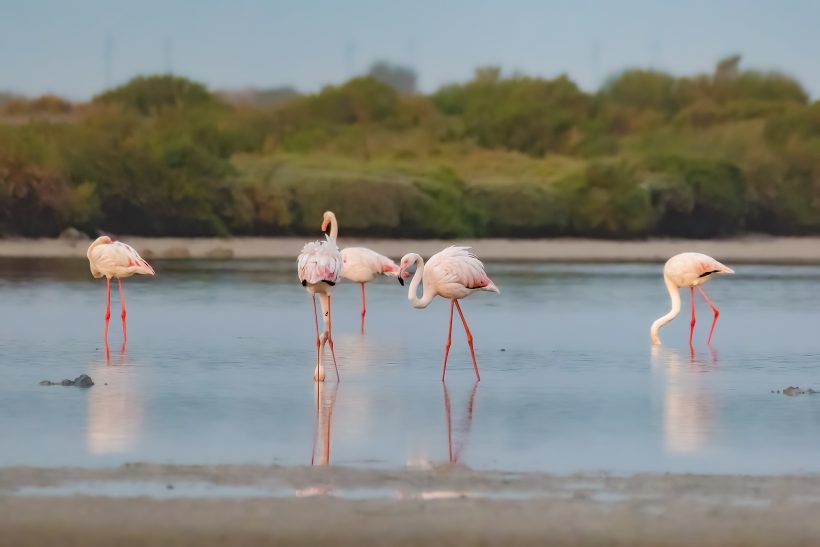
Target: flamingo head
326, 217
406, 263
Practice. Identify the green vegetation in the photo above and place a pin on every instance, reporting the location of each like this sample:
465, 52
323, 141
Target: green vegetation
727, 153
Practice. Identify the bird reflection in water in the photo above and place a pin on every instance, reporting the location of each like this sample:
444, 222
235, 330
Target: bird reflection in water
463, 427
689, 409
325, 399
114, 407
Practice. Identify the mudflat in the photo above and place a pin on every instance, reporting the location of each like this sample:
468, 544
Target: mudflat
772, 250
445, 505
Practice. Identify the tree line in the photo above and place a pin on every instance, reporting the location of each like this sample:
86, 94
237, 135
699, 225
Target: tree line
648, 154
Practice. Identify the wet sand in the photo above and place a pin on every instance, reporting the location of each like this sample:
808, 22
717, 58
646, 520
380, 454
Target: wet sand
774, 250
451, 505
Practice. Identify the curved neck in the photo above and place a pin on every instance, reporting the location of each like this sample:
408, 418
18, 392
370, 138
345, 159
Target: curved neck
412, 293
334, 227
674, 295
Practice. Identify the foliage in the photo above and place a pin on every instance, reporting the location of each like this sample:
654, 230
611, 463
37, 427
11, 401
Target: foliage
650, 153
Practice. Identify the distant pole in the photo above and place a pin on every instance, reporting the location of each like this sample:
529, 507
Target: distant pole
108, 61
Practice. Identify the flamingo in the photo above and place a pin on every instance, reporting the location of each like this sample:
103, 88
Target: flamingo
319, 266
360, 264
688, 270
115, 259
453, 273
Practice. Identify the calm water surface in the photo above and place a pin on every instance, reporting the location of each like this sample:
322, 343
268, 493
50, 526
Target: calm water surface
218, 369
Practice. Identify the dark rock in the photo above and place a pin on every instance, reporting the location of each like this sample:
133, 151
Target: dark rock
83, 380
791, 391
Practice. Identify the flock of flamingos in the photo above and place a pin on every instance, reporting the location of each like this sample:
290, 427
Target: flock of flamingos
454, 273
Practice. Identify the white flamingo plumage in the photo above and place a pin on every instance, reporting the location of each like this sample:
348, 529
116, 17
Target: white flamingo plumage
360, 264
688, 270
110, 258
453, 273
319, 267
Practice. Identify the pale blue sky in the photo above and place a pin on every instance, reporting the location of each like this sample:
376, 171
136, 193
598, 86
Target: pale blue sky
58, 45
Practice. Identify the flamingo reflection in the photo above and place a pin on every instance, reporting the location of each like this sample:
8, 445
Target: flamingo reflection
463, 427
689, 408
115, 408
325, 399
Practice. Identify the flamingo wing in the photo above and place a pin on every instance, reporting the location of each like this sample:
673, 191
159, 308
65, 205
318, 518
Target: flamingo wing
118, 260
320, 261
459, 265
361, 264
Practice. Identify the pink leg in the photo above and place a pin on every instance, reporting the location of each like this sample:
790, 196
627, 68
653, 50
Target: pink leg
364, 308
108, 308
449, 340
318, 342
692, 322
330, 339
714, 309
124, 312
469, 341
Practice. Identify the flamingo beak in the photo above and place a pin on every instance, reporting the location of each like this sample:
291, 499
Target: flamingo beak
324, 226
401, 280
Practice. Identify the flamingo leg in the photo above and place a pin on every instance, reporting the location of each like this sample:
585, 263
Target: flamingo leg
469, 341
123, 314
319, 370
108, 308
714, 309
449, 421
692, 322
364, 308
449, 340
315, 424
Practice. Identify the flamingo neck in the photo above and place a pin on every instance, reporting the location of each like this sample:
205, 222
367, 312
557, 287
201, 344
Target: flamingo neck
334, 227
412, 293
674, 295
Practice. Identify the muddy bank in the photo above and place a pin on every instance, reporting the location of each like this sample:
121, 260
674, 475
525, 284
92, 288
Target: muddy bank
409, 507
742, 250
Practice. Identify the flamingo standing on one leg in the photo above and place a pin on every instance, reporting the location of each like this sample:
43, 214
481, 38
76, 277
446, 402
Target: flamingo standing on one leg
453, 273
360, 264
688, 270
115, 259
319, 267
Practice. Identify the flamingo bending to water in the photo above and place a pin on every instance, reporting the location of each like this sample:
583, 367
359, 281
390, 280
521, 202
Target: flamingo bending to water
453, 273
360, 264
688, 270
115, 259
319, 267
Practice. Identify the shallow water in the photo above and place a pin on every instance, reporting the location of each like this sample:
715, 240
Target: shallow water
219, 363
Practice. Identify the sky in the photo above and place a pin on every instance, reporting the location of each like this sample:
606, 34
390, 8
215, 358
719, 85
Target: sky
76, 48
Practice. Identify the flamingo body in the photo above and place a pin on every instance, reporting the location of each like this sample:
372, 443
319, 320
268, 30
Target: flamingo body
454, 273
108, 258
688, 270
319, 267
362, 265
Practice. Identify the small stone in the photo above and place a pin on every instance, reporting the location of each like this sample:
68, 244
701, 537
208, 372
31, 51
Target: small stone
46, 383
169, 487
67, 382
83, 380
503, 349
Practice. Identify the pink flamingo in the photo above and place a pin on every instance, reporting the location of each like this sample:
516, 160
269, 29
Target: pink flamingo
319, 267
453, 273
688, 270
115, 259
360, 264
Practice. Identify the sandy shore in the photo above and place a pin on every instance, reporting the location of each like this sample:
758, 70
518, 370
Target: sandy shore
455, 506
743, 250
